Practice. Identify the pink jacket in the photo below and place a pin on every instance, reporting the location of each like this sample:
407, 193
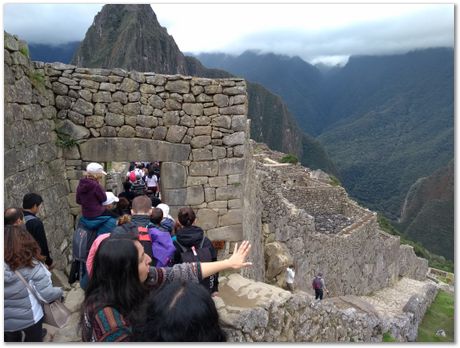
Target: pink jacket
92, 252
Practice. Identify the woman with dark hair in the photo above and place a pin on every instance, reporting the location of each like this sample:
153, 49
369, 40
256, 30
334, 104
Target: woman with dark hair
23, 313
121, 279
189, 236
180, 312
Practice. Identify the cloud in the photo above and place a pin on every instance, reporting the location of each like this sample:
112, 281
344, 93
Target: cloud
419, 30
49, 23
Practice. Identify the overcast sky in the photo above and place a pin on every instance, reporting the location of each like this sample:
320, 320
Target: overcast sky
315, 32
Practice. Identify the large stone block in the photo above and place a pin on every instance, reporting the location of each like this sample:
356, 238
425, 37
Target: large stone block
232, 233
195, 195
193, 109
178, 86
222, 122
202, 155
173, 175
206, 218
72, 130
83, 107
233, 110
129, 149
232, 217
218, 181
174, 196
229, 192
237, 138
200, 141
176, 134
197, 180
229, 166
207, 168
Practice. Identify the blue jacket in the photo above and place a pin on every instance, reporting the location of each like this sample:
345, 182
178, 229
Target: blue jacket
101, 224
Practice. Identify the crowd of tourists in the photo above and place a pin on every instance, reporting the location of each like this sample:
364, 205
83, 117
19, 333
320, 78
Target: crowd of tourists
147, 277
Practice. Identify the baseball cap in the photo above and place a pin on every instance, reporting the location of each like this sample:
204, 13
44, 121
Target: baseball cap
95, 168
110, 198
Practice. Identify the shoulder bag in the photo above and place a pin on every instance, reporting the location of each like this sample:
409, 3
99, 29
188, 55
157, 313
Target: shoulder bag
56, 313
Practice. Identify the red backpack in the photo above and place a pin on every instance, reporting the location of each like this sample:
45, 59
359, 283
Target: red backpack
317, 283
132, 176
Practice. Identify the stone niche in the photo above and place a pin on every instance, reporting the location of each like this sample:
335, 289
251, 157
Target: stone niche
196, 127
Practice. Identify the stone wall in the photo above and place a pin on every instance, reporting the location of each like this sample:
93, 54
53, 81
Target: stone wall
196, 127
32, 160
257, 312
356, 259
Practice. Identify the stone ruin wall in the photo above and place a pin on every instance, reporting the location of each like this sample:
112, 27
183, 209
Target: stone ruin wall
266, 313
357, 260
197, 127
32, 161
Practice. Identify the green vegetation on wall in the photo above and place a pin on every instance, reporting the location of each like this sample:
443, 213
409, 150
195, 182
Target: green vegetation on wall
440, 315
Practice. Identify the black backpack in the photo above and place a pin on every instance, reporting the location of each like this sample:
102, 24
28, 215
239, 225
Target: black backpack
193, 254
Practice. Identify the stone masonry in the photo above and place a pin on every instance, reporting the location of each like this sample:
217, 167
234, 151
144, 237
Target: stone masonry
196, 127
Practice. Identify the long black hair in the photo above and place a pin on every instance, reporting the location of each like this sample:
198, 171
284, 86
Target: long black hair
180, 312
115, 280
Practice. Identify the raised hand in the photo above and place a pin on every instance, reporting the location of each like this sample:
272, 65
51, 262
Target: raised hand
237, 260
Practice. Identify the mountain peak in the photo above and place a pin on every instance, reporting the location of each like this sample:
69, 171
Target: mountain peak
134, 30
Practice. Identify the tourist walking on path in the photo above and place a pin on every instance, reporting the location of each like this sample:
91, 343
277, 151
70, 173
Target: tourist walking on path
23, 314
191, 241
31, 204
122, 279
290, 275
319, 286
90, 194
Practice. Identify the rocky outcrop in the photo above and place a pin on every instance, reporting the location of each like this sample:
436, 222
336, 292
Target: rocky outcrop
129, 37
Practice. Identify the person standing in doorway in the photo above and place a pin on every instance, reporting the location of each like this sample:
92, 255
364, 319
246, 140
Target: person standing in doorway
319, 286
31, 204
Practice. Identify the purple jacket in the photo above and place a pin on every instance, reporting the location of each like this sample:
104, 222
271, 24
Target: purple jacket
162, 247
90, 195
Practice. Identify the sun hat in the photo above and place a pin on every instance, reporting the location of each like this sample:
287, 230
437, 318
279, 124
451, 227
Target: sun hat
165, 209
110, 198
95, 168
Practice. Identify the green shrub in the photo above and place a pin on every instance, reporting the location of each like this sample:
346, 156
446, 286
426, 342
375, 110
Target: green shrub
65, 141
388, 338
289, 159
24, 50
334, 181
37, 79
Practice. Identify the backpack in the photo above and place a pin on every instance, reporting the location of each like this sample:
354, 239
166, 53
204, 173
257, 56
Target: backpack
27, 218
317, 283
202, 255
162, 247
132, 176
145, 240
82, 240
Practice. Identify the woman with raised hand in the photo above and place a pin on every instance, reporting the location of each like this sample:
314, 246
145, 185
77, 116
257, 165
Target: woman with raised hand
121, 281
23, 313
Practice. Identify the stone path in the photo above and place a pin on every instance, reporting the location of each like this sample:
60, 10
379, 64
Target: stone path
389, 302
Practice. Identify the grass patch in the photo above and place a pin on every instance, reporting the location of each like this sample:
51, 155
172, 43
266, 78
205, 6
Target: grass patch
440, 315
65, 141
334, 181
24, 50
289, 159
388, 338
37, 79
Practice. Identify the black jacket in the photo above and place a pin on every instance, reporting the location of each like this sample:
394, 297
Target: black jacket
37, 230
192, 236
